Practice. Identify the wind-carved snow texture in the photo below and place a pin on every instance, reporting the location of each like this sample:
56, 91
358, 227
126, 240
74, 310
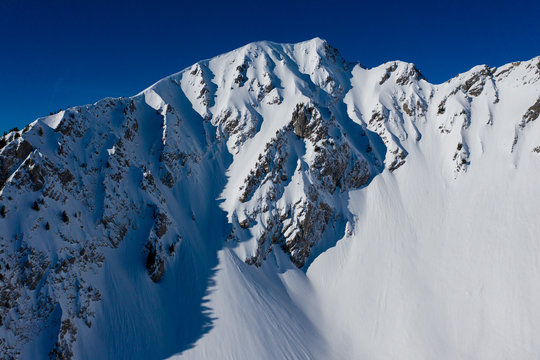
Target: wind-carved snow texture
113, 214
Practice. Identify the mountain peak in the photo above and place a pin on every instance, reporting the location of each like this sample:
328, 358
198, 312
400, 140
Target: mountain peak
282, 176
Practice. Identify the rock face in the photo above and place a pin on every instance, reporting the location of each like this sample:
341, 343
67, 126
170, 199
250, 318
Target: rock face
278, 133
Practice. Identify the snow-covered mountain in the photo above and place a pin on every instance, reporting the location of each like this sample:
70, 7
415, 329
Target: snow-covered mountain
279, 202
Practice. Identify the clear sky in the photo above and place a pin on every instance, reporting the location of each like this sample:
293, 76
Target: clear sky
55, 54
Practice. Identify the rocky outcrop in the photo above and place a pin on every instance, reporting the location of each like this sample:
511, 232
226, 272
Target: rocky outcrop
531, 115
296, 225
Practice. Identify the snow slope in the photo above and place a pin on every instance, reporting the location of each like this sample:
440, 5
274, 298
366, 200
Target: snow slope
279, 202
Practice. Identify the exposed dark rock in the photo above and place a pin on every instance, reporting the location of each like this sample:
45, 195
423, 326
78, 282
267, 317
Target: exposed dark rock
407, 110
307, 122
244, 224
410, 75
442, 107
241, 77
388, 72
300, 120
65, 177
161, 224
63, 349
398, 160
154, 262
65, 217
37, 177
168, 179
475, 84
531, 115
23, 150
12, 156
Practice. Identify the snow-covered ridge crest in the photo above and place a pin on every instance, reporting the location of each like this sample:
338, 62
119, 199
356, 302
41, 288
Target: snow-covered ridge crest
257, 151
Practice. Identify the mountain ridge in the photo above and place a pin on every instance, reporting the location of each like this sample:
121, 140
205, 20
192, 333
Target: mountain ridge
250, 157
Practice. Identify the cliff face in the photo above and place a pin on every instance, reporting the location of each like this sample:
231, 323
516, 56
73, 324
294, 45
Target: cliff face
129, 200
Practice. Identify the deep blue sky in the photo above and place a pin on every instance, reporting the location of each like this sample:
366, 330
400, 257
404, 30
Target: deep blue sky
55, 54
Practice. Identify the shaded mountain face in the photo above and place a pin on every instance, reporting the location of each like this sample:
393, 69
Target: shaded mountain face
113, 215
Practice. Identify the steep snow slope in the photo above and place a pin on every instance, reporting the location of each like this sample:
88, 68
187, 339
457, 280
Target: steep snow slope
442, 258
278, 202
437, 268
